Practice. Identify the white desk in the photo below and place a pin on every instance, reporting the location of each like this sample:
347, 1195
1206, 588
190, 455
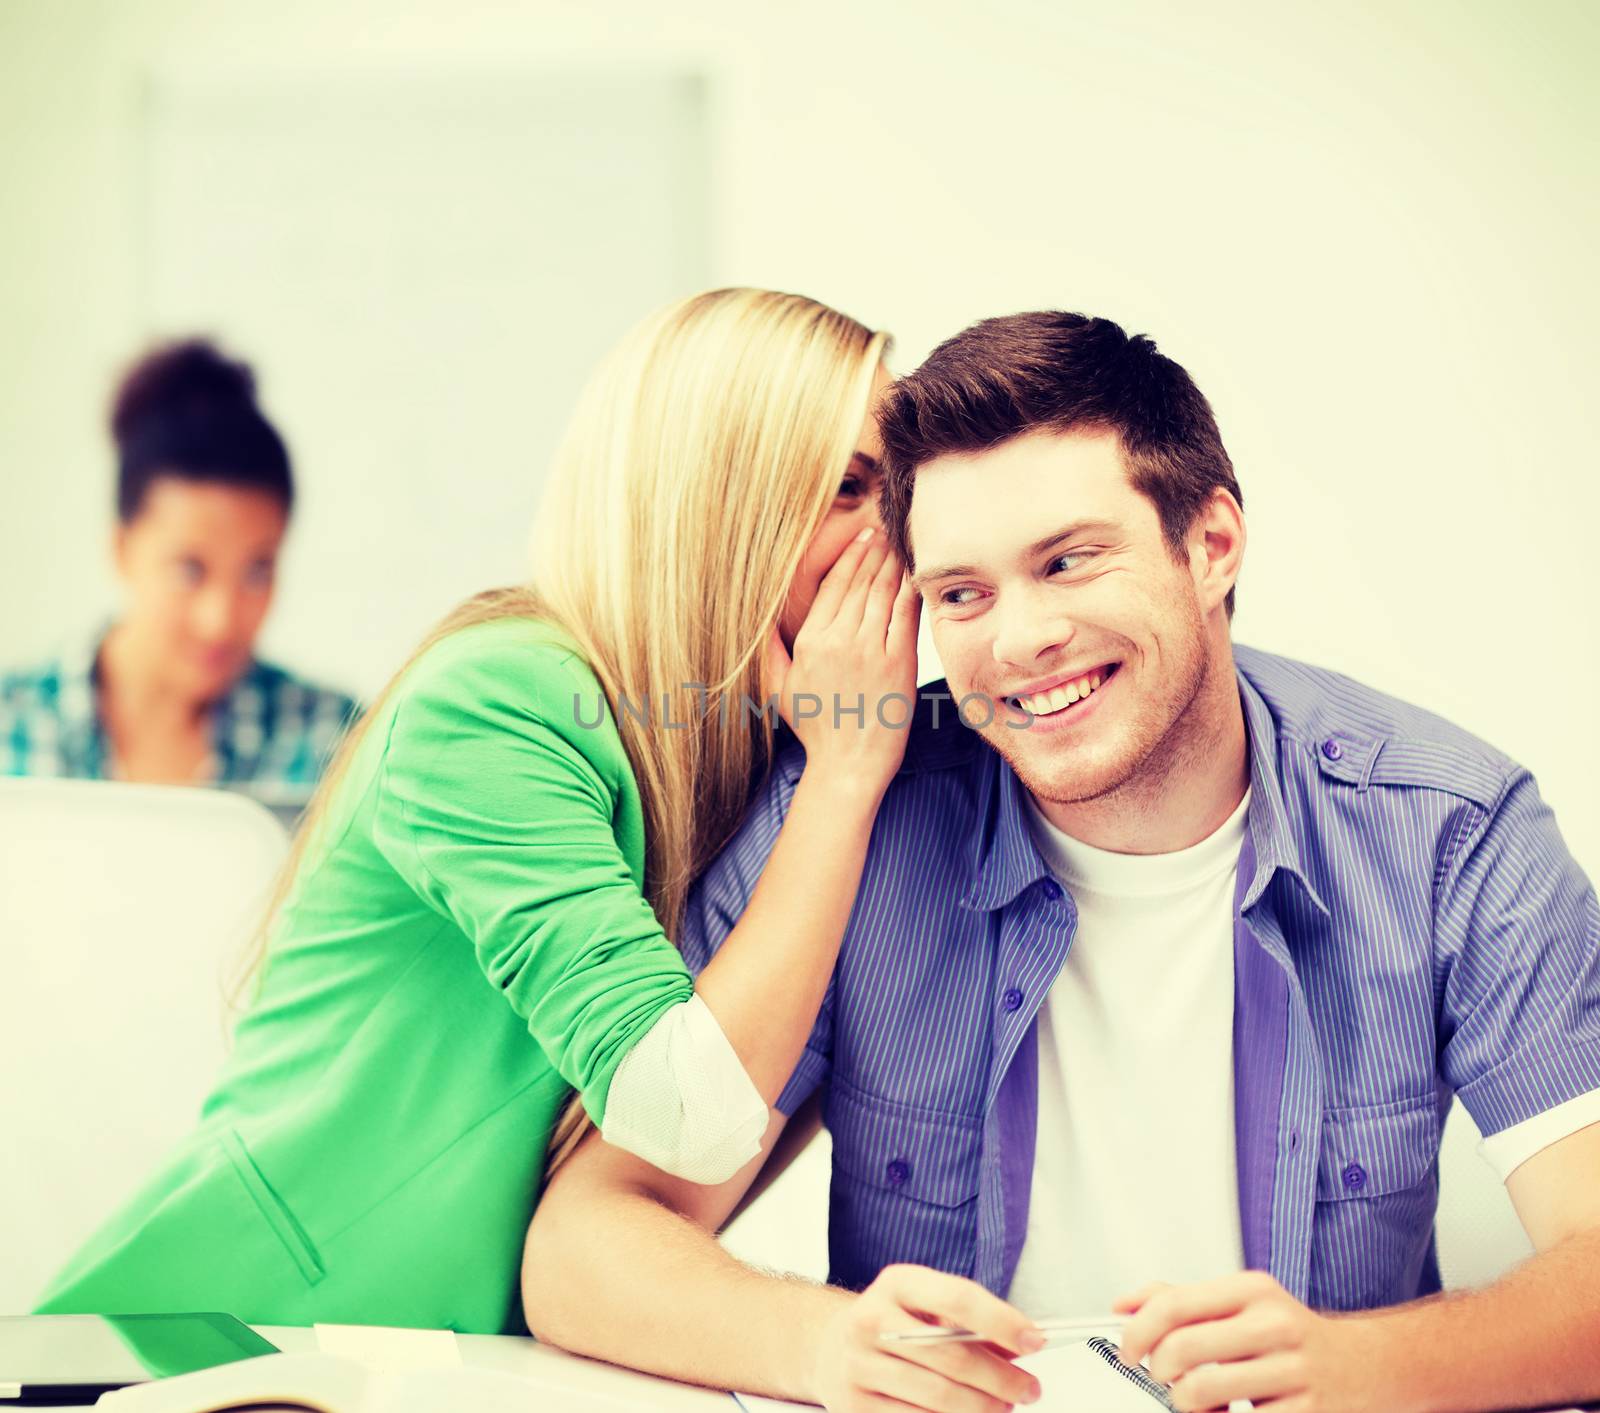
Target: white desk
551, 1368
552, 1372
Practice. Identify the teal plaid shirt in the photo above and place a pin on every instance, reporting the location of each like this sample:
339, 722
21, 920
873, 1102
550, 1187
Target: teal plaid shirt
271, 735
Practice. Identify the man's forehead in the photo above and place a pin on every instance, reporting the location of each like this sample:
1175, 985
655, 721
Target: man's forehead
1002, 501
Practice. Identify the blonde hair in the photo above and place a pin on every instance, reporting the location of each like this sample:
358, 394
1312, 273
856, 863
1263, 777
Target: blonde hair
699, 461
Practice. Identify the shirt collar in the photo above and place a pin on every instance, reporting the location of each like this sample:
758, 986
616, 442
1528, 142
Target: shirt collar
1005, 860
1274, 842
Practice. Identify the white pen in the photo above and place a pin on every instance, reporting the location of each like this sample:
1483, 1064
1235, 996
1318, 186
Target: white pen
1056, 1331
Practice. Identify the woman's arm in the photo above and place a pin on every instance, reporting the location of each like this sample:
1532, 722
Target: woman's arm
692, 1097
502, 823
857, 647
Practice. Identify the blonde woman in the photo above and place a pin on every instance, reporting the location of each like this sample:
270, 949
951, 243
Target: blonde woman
478, 922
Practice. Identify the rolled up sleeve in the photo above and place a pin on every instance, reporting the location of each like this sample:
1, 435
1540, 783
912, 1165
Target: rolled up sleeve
1518, 929
500, 822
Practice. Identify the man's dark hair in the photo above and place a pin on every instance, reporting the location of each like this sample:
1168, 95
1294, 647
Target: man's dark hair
1003, 378
188, 410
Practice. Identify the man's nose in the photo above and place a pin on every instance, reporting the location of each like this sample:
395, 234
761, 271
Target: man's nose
1027, 629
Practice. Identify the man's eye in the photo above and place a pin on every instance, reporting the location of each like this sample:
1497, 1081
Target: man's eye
1066, 563
952, 597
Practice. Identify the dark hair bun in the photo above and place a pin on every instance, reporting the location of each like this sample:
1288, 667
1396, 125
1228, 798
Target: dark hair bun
179, 377
186, 410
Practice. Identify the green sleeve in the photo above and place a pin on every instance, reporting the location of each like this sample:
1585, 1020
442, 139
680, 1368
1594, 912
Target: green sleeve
496, 808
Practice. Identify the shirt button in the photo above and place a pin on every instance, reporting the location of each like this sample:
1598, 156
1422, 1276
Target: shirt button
1332, 749
898, 1171
1013, 999
1355, 1177
1051, 889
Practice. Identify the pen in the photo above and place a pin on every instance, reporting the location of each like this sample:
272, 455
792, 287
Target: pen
1058, 1331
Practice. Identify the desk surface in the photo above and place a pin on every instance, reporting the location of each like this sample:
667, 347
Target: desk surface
550, 1368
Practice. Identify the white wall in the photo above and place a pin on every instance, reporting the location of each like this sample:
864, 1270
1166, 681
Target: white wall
1363, 227
1366, 228
428, 264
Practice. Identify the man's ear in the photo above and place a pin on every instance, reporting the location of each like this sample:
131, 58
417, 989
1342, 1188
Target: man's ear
1216, 548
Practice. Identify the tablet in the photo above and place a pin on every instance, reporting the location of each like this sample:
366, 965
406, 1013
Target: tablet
75, 1358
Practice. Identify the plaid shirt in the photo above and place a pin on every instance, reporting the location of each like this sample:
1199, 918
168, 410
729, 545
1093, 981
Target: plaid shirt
270, 736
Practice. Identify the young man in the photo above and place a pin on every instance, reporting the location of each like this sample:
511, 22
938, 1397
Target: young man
1168, 968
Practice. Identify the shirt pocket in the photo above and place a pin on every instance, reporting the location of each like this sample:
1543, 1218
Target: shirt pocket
1377, 1193
905, 1186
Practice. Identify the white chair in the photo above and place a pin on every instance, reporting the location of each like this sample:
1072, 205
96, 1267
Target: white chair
1480, 1235
124, 910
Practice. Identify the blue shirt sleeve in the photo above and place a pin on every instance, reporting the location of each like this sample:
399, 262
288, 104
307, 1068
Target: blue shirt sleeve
1517, 931
721, 894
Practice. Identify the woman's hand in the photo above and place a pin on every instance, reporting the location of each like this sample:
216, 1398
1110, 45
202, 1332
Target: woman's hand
849, 687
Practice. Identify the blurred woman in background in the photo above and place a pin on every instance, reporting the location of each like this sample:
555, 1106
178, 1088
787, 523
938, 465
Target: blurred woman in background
172, 692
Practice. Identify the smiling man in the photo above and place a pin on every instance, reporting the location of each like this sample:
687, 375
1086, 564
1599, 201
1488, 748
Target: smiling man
1166, 970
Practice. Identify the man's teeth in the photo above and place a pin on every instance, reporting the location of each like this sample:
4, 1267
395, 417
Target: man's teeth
1043, 703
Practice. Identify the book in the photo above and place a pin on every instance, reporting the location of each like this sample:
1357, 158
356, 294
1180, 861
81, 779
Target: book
324, 1383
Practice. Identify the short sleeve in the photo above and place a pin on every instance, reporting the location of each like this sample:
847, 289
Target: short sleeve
1518, 931
498, 815
722, 893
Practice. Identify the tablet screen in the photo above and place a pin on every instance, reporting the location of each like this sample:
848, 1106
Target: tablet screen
43, 1351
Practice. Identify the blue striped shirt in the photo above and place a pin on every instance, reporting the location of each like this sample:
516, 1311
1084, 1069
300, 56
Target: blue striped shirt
271, 734
1409, 926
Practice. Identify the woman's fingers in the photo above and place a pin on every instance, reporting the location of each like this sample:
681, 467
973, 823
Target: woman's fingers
837, 581
853, 606
880, 596
904, 617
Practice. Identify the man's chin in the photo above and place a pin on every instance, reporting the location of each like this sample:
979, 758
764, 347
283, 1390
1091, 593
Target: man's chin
1063, 777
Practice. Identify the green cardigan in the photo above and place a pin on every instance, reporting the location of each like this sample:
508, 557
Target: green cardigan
468, 943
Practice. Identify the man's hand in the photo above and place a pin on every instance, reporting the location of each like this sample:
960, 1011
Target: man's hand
857, 1373
1246, 1337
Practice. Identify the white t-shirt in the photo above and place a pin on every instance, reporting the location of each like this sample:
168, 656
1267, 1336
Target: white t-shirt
1136, 1055
1134, 1174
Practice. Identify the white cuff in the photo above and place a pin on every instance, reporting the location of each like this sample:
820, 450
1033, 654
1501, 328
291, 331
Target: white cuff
1509, 1149
682, 1101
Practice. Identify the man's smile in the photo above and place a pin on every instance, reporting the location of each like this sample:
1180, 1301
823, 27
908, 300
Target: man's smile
1057, 695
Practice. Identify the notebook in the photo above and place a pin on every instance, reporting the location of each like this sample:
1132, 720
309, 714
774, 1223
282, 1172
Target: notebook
1089, 1378
323, 1383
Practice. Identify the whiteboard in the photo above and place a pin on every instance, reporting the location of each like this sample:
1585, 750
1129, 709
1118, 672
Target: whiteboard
423, 268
